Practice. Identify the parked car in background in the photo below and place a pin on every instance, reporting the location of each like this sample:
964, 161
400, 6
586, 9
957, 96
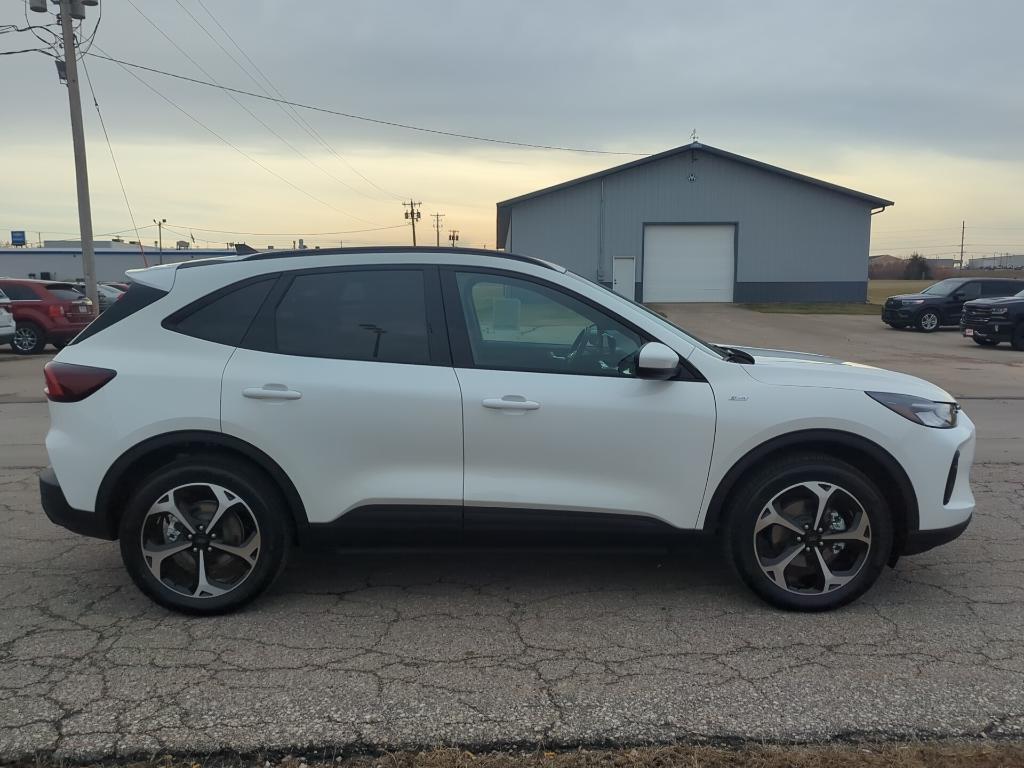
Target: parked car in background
120, 286
279, 398
107, 294
45, 312
942, 303
990, 321
7, 326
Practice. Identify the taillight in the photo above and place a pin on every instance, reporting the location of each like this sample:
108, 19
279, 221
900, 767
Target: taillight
68, 383
56, 310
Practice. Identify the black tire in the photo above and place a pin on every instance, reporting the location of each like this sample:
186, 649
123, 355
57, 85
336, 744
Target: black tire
29, 339
985, 342
928, 321
801, 590
896, 326
1017, 340
59, 345
258, 507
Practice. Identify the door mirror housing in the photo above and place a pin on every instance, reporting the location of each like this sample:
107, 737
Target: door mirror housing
654, 360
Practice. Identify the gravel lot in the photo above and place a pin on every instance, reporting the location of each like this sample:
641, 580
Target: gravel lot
402, 649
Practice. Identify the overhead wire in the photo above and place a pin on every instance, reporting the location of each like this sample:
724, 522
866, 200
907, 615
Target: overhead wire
288, 109
246, 109
364, 118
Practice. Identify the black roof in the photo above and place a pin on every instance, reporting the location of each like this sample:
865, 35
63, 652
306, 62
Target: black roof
505, 205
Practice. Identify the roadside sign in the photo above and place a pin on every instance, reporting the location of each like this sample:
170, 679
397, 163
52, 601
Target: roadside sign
17, 237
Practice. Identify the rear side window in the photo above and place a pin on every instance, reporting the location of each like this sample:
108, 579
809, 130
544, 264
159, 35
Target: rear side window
378, 315
1001, 289
137, 297
224, 316
20, 293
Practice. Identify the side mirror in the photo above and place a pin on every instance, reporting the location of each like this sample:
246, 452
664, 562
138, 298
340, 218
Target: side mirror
654, 360
959, 296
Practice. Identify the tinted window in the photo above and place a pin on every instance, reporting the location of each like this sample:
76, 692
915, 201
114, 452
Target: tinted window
64, 293
995, 288
224, 317
376, 315
137, 297
20, 293
970, 291
516, 324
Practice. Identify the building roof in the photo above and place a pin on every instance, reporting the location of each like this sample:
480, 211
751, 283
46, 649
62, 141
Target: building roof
505, 205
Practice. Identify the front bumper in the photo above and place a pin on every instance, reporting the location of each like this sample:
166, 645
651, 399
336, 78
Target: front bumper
921, 541
56, 507
897, 315
995, 330
6, 334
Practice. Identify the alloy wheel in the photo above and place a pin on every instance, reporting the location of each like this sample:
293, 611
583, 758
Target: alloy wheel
929, 321
812, 538
25, 339
200, 540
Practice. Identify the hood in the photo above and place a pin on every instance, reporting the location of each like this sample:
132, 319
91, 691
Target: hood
801, 369
995, 302
908, 296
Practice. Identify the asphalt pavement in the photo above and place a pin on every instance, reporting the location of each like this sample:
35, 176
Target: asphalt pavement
388, 649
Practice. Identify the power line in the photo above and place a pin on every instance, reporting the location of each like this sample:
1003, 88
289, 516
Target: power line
291, 234
290, 111
364, 118
248, 111
113, 159
210, 130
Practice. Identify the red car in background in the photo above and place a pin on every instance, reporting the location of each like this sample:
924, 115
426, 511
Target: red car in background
45, 312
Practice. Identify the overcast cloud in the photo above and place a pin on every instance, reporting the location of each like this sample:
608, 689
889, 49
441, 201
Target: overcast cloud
919, 102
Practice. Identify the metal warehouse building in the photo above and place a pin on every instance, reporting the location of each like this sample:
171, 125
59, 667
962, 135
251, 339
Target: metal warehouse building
698, 223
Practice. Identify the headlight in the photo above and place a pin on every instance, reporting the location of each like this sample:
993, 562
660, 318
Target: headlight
919, 409
908, 302
999, 311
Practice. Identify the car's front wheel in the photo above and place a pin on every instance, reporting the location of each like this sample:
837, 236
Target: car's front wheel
809, 532
29, 339
928, 321
205, 534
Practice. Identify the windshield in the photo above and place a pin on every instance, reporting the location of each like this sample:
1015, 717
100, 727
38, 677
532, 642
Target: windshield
943, 287
659, 318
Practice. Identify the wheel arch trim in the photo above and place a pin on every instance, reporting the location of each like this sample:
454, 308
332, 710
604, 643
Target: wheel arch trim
822, 439
113, 481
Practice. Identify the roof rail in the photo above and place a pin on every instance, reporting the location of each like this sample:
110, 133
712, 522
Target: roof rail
260, 256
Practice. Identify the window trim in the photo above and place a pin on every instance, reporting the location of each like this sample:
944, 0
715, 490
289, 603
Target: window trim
262, 333
458, 332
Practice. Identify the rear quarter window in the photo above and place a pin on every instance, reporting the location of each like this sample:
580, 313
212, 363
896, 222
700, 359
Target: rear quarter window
64, 293
137, 297
225, 315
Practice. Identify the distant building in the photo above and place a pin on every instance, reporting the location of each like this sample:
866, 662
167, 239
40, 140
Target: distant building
698, 223
1005, 261
936, 263
62, 259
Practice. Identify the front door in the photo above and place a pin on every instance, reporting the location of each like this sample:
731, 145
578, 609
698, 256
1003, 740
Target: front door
554, 416
345, 381
955, 302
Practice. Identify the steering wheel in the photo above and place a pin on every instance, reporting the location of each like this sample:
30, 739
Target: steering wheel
606, 342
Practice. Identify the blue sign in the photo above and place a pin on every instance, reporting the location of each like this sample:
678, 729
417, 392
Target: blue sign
17, 237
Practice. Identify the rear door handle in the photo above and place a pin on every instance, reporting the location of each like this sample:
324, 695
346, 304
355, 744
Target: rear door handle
271, 392
510, 403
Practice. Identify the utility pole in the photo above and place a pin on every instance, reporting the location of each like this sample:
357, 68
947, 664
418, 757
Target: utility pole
413, 215
437, 226
963, 226
78, 140
453, 237
160, 233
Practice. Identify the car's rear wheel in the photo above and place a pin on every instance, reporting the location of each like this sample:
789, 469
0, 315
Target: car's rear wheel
809, 533
29, 339
985, 342
205, 534
928, 321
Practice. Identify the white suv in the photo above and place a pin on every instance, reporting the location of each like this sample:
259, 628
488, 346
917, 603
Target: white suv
226, 410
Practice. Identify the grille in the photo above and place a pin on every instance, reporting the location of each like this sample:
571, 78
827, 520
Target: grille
977, 313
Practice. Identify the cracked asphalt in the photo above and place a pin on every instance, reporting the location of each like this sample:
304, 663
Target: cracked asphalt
391, 649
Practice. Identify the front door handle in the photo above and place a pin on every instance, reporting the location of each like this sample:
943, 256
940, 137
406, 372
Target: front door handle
510, 403
271, 392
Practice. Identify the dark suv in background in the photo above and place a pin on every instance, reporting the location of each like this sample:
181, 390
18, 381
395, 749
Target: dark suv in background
942, 303
45, 312
990, 321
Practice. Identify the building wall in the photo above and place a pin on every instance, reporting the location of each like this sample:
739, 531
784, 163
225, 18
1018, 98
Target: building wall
795, 241
66, 265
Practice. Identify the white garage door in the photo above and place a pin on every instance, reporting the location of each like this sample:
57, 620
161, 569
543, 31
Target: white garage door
688, 262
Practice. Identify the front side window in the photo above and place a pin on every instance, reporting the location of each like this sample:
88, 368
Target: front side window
516, 324
378, 315
970, 290
20, 293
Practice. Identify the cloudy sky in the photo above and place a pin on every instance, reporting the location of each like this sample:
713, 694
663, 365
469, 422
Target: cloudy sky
918, 102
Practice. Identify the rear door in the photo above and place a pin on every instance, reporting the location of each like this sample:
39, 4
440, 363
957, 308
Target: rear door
345, 380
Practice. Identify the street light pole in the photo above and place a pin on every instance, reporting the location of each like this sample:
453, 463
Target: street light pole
81, 170
160, 236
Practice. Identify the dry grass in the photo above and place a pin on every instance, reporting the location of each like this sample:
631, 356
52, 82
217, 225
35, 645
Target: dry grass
974, 754
878, 292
